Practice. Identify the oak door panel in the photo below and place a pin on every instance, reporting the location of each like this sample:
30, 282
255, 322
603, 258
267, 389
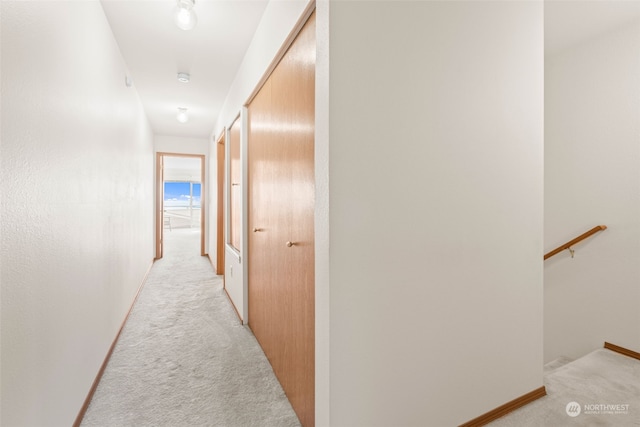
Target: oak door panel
281, 211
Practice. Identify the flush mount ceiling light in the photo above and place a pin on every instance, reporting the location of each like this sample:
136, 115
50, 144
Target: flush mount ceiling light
182, 116
186, 18
184, 77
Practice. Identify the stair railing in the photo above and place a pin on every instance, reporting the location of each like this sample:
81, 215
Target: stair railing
570, 243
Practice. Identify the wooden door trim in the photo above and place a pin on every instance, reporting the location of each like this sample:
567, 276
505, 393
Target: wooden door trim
220, 208
203, 205
105, 362
622, 350
508, 407
160, 202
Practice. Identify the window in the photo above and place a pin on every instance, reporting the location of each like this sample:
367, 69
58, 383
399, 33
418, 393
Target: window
182, 203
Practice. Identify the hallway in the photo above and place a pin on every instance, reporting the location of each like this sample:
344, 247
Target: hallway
454, 144
183, 358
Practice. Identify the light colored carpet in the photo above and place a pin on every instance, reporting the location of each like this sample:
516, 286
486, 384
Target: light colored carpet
594, 381
555, 364
183, 358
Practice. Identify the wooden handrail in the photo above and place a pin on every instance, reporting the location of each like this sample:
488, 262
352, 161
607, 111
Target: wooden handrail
570, 243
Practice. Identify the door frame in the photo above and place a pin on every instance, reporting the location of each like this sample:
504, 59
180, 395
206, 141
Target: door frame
159, 196
220, 228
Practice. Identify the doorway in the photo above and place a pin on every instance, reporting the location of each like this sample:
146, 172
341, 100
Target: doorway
180, 199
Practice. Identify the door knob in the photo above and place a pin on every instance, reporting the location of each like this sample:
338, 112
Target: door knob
255, 230
289, 244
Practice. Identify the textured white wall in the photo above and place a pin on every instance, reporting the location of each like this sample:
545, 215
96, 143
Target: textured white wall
322, 218
181, 145
592, 176
435, 196
77, 204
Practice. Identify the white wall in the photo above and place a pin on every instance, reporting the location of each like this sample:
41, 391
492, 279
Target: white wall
435, 197
277, 22
322, 218
592, 176
181, 145
77, 203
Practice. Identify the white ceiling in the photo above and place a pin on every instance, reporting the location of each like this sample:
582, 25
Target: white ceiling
155, 50
569, 22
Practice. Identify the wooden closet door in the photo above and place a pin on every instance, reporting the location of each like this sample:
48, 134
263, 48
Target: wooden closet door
265, 222
281, 221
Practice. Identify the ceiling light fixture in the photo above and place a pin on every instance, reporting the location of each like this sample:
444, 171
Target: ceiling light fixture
184, 77
182, 116
186, 18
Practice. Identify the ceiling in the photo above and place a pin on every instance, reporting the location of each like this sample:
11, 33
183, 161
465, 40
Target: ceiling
155, 50
569, 22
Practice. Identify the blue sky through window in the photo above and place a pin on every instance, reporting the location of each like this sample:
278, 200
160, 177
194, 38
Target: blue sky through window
177, 194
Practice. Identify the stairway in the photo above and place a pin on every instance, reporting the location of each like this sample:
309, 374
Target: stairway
599, 389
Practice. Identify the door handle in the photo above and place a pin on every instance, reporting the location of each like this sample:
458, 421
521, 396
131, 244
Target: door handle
289, 244
255, 230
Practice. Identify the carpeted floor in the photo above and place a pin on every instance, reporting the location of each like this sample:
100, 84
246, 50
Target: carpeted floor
604, 384
183, 358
